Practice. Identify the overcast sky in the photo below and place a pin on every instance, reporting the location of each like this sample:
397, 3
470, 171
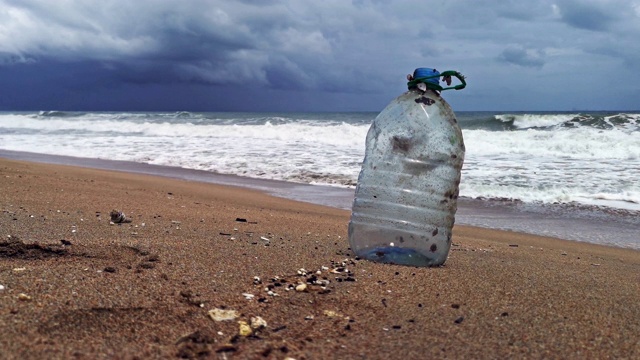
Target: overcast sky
333, 55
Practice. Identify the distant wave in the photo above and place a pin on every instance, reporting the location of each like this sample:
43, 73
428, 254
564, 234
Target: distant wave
553, 121
58, 114
259, 128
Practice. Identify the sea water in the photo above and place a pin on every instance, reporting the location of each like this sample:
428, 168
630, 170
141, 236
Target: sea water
570, 159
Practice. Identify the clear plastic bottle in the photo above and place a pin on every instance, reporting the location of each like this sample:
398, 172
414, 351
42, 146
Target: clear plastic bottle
406, 197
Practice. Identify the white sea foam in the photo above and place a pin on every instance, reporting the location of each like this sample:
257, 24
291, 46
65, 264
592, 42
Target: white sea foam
526, 121
574, 144
585, 165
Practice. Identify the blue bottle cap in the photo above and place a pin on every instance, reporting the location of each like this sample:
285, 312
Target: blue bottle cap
424, 72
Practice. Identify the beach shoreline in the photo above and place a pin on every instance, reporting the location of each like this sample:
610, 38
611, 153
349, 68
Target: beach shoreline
575, 222
74, 285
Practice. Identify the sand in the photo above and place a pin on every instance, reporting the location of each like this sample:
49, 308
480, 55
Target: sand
74, 285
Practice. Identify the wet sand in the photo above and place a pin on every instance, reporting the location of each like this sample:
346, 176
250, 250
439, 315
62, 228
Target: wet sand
73, 285
590, 224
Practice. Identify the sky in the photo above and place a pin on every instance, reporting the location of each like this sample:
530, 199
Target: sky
308, 56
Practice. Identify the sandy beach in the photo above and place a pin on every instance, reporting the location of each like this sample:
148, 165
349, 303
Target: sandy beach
75, 285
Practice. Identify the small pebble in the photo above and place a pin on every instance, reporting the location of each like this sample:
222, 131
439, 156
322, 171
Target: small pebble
331, 313
222, 314
301, 287
244, 329
24, 297
257, 323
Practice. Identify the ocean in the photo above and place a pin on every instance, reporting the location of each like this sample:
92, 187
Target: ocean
581, 165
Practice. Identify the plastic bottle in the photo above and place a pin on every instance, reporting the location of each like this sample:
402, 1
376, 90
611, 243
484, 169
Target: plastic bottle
407, 191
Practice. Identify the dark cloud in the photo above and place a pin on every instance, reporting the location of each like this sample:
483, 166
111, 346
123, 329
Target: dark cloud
7, 59
518, 55
589, 14
332, 54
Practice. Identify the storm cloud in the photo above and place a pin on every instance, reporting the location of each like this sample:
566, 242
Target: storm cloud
518, 55
314, 56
